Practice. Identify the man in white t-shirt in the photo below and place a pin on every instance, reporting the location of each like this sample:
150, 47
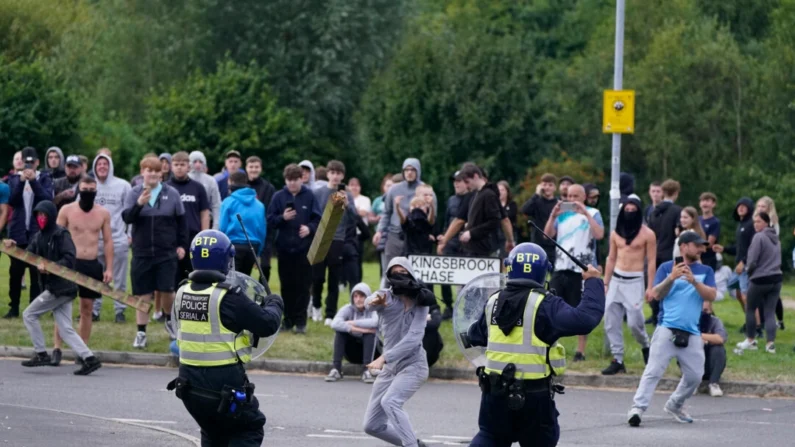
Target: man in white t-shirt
575, 226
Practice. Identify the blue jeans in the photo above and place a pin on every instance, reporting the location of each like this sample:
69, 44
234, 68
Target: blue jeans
739, 282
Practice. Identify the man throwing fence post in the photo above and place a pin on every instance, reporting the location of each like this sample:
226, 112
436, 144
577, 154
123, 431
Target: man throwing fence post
631, 245
54, 243
85, 222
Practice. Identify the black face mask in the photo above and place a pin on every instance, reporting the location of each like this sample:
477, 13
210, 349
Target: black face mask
87, 200
404, 284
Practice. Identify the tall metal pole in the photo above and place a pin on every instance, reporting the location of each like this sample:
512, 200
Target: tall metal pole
618, 81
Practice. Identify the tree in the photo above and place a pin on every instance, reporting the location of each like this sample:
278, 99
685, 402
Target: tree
233, 108
29, 29
37, 109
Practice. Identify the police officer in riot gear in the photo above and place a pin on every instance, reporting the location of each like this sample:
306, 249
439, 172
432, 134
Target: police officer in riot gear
520, 327
212, 316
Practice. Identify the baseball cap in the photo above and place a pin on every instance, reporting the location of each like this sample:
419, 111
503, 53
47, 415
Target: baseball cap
233, 153
566, 178
29, 152
691, 236
73, 160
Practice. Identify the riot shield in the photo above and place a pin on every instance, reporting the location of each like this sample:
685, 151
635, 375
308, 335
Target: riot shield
256, 291
469, 306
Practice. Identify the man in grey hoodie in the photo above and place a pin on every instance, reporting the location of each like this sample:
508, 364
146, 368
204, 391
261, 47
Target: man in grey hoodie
111, 194
198, 172
389, 226
55, 162
355, 335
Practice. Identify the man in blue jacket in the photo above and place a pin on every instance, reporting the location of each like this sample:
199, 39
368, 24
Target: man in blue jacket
294, 215
28, 188
243, 201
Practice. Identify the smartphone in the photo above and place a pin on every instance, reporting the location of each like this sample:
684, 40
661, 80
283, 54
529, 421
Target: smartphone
290, 205
678, 260
29, 163
341, 187
567, 206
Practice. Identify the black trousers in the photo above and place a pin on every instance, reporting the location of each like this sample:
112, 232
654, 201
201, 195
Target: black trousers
332, 263
351, 265
357, 350
265, 262
219, 430
15, 274
432, 344
453, 248
536, 424
245, 259
294, 274
714, 362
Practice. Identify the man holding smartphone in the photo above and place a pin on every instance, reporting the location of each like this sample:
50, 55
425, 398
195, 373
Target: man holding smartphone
681, 287
575, 226
294, 215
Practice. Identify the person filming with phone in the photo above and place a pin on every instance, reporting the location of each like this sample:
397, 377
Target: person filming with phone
575, 226
681, 286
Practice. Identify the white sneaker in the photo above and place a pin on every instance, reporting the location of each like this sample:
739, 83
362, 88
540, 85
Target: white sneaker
317, 316
714, 390
157, 316
770, 348
634, 416
748, 345
367, 377
140, 340
327, 322
333, 375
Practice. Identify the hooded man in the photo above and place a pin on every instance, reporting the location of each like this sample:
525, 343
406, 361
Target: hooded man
389, 226
743, 215
403, 313
28, 187
243, 201
310, 178
54, 243
632, 245
65, 188
355, 337
112, 195
165, 162
55, 162
198, 172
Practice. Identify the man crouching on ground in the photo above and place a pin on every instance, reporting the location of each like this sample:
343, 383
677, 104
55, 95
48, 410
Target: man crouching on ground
54, 243
354, 336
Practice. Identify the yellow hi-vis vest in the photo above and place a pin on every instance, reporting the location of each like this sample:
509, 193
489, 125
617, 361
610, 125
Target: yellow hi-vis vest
521, 346
202, 339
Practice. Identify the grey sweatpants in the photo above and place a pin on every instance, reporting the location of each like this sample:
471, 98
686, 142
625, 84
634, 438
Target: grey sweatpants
625, 295
61, 307
385, 418
119, 275
691, 361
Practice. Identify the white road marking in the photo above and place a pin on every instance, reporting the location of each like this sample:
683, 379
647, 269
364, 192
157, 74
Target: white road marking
357, 435
141, 421
196, 441
338, 436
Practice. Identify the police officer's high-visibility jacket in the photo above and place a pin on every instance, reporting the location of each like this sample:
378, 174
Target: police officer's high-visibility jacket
202, 338
532, 357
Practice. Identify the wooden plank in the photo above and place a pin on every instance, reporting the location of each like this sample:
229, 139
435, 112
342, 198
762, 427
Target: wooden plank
76, 277
332, 215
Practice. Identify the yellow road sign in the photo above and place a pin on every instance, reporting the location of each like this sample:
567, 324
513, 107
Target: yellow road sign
618, 111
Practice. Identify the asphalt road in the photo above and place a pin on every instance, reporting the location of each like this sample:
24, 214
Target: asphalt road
123, 407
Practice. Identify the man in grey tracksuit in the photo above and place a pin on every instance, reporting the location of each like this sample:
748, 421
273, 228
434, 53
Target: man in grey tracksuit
389, 225
111, 194
198, 172
354, 334
403, 312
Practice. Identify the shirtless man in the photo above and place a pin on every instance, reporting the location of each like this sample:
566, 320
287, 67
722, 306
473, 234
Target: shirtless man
85, 221
632, 245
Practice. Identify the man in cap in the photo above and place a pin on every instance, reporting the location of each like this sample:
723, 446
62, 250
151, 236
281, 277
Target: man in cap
66, 187
233, 163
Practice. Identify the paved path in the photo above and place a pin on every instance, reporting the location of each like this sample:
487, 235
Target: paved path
123, 407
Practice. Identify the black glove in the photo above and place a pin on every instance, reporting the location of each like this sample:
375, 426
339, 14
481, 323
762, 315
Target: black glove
273, 299
465, 340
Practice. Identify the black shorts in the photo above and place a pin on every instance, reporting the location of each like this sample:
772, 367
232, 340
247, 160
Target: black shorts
153, 274
92, 269
567, 285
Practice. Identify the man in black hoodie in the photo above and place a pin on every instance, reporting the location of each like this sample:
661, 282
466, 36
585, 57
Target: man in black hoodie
743, 214
538, 208
54, 243
265, 191
483, 219
663, 221
65, 188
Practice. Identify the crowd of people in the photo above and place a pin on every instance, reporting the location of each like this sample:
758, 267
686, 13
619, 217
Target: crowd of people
156, 215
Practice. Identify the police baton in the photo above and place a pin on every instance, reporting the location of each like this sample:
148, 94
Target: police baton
575, 260
262, 278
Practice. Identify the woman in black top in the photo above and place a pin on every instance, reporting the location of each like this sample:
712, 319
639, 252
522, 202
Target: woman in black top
508, 204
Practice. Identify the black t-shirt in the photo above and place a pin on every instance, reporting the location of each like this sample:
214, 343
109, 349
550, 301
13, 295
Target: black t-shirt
194, 200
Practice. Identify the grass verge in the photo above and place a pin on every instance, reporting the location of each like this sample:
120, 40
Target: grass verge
317, 344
